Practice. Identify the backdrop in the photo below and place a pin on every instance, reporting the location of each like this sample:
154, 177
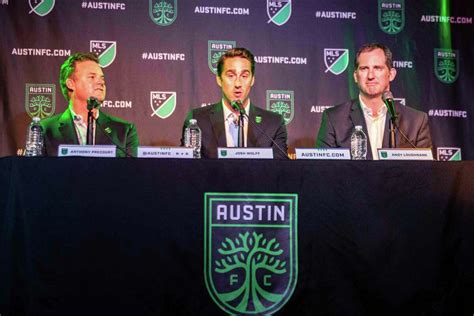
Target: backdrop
159, 57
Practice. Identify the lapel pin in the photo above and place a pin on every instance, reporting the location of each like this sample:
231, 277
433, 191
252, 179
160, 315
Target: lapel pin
108, 130
258, 119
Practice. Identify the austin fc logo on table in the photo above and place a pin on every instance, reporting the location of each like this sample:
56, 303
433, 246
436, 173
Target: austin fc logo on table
250, 251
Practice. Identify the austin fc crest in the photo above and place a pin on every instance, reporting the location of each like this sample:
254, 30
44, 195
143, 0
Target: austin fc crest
250, 251
281, 102
215, 49
391, 16
446, 62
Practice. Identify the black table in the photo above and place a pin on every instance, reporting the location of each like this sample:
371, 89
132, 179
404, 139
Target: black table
101, 236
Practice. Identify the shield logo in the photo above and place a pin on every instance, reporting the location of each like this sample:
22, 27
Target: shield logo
281, 102
446, 62
163, 103
278, 11
391, 16
215, 49
336, 60
105, 50
41, 7
40, 100
64, 151
449, 154
384, 154
163, 12
250, 251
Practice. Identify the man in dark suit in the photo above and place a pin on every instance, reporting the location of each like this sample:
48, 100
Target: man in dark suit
235, 76
373, 74
81, 77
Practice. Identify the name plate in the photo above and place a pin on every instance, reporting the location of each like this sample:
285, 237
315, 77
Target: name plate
244, 153
100, 151
164, 152
323, 153
405, 154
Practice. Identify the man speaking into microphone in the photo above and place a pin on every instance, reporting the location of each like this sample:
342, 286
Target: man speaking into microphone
219, 122
82, 83
374, 109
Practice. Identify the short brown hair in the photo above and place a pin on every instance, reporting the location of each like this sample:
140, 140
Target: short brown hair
372, 46
68, 67
236, 52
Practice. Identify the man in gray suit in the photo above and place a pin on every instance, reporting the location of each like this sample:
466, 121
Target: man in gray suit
373, 73
81, 77
236, 76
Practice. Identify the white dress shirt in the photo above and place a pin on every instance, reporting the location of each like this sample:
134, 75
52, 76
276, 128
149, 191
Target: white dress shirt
228, 118
375, 126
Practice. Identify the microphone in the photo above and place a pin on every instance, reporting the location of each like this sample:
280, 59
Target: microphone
387, 98
92, 103
238, 106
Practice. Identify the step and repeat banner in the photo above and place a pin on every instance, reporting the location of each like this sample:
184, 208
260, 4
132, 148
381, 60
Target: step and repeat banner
159, 59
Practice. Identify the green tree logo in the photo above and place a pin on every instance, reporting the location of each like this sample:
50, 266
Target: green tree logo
392, 21
163, 13
40, 106
391, 15
250, 253
281, 108
447, 70
446, 63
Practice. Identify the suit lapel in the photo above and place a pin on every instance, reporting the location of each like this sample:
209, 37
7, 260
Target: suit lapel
251, 137
66, 128
102, 127
357, 118
216, 116
386, 134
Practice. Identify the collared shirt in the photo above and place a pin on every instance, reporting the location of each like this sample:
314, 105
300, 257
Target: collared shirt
375, 126
228, 118
80, 125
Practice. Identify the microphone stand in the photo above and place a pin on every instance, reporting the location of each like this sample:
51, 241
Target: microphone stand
90, 128
241, 143
391, 124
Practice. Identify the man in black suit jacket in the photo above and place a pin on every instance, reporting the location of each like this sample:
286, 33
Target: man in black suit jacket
81, 77
373, 74
235, 76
